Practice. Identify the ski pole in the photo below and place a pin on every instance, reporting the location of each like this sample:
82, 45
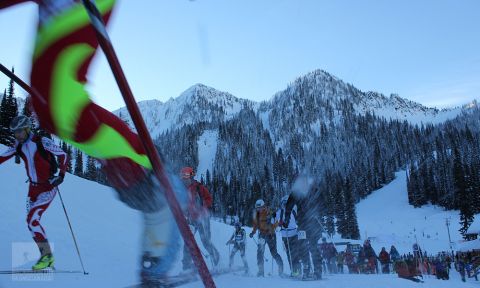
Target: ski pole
289, 253
71, 231
229, 250
272, 265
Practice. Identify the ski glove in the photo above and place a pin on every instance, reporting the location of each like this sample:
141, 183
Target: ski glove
56, 180
251, 235
285, 224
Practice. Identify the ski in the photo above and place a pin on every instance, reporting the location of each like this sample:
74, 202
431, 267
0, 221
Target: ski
43, 271
152, 153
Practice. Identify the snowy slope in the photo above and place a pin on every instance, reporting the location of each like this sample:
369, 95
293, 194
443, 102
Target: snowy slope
397, 108
386, 216
108, 235
207, 147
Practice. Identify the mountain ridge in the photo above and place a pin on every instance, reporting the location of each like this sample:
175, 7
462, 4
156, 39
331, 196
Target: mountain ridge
201, 103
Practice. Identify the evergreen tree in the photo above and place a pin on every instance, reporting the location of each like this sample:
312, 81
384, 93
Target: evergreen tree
8, 111
4, 121
91, 169
352, 231
79, 164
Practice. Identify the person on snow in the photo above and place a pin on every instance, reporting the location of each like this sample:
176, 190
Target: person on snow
394, 255
441, 269
289, 237
238, 240
262, 221
384, 258
62, 52
350, 260
370, 257
38, 154
198, 216
461, 266
340, 262
329, 253
309, 227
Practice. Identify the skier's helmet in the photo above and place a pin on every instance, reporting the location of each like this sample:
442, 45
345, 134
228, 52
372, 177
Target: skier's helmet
20, 122
284, 201
187, 172
259, 203
367, 242
237, 225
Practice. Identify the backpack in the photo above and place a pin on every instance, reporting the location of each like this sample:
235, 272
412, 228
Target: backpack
45, 154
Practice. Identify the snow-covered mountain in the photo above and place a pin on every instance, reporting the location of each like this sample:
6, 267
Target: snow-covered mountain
198, 103
317, 97
329, 97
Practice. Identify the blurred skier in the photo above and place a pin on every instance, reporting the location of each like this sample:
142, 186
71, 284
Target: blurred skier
238, 240
262, 221
198, 216
309, 228
289, 237
38, 154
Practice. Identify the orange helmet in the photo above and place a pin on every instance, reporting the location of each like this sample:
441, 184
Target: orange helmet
187, 172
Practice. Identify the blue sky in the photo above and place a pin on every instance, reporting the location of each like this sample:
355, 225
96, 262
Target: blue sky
426, 51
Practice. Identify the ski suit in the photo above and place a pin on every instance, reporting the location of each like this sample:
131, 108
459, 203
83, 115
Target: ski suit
238, 240
40, 193
199, 201
262, 221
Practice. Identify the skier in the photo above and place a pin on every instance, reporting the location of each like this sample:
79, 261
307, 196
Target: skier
63, 51
38, 155
289, 237
309, 227
262, 221
384, 258
199, 202
238, 240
